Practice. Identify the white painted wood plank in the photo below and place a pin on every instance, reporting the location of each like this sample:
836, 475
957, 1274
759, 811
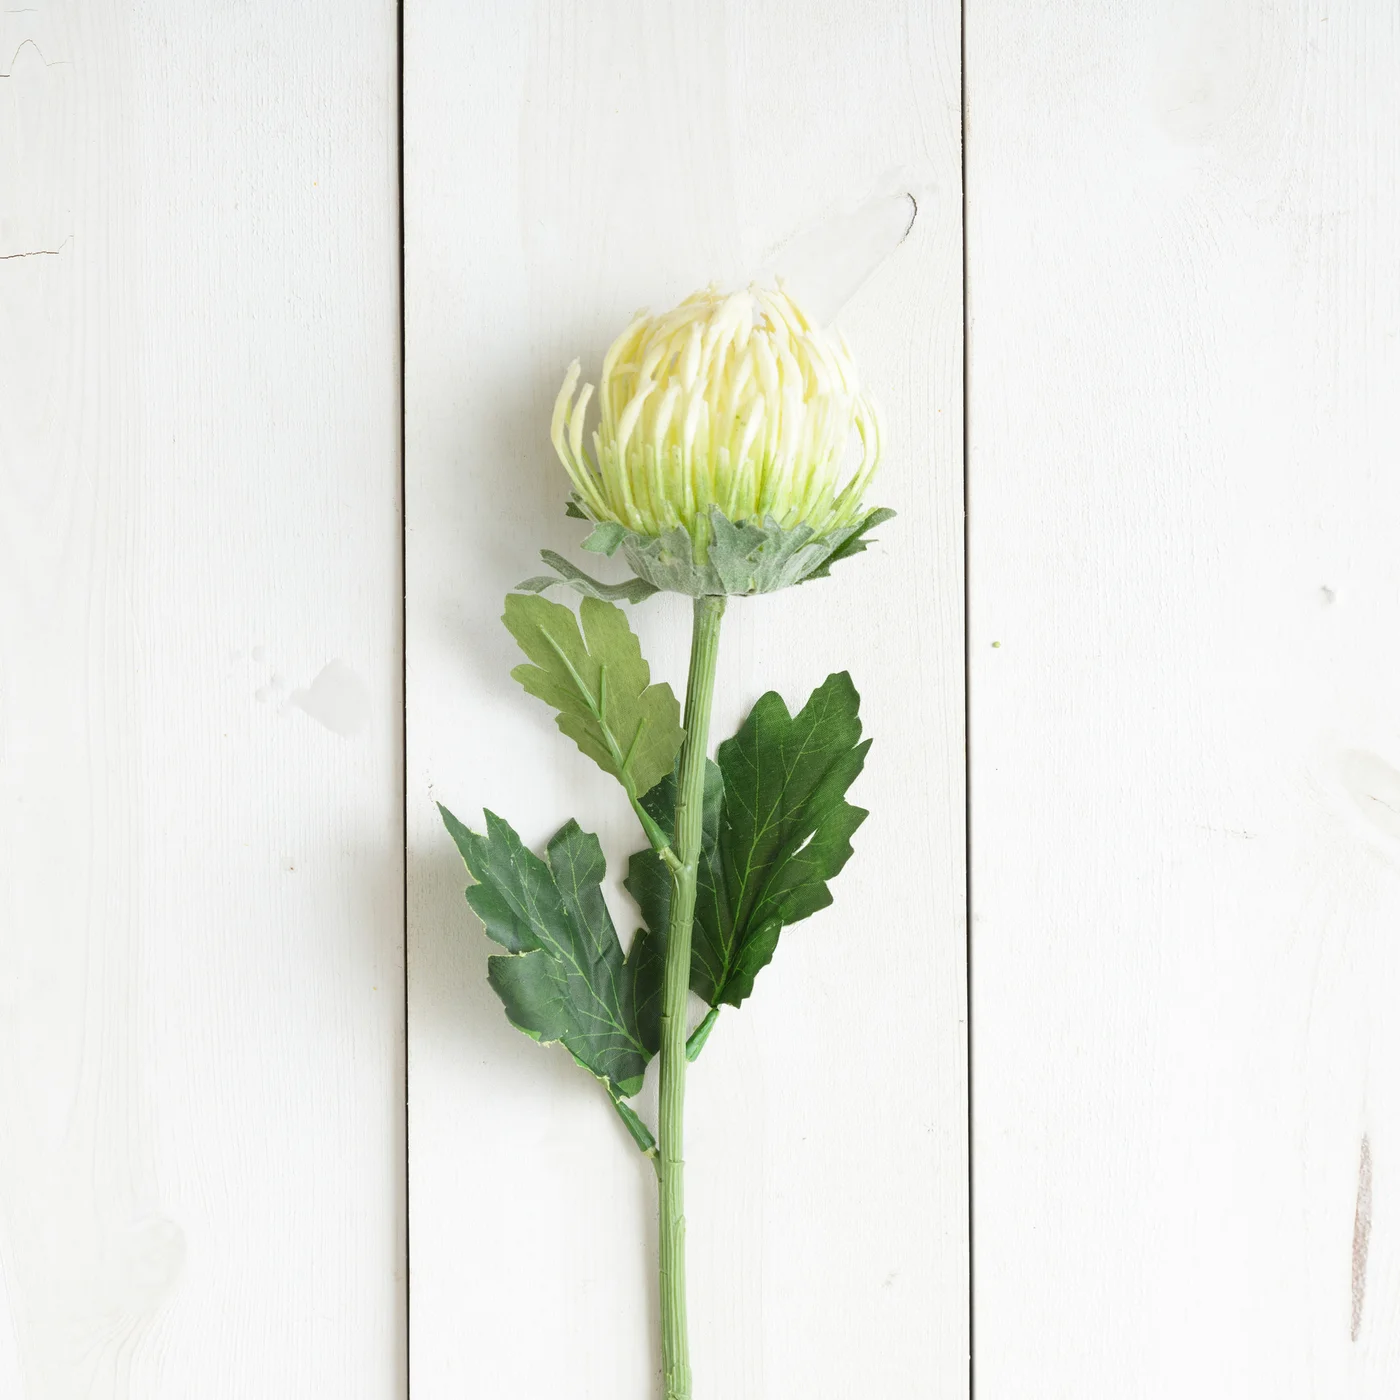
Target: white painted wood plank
1185, 725
565, 165
200, 882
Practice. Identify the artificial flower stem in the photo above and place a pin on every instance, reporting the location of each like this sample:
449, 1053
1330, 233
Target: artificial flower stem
670, 1165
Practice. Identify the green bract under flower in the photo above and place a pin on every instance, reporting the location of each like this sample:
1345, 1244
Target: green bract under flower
739, 559
735, 409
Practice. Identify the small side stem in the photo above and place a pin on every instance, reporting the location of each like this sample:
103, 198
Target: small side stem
701, 1034
654, 834
641, 1134
670, 1164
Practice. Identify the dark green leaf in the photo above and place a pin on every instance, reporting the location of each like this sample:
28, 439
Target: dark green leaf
787, 824
777, 827
649, 881
646, 967
566, 978
600, 685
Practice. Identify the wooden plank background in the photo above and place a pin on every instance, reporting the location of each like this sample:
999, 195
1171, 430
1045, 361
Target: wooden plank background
1184, 741
1184, 430
200, 720
564, 165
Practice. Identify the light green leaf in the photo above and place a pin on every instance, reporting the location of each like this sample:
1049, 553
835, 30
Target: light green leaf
777, 827
565, 978
606, 536
632, 590
600, 685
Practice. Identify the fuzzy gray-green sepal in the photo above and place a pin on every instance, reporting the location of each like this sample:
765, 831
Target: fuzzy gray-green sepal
632, 590
743, 558
854, 543
606, 537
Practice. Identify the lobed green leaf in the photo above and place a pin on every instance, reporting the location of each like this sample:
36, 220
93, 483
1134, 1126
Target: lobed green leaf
564, 977
777, 827
600, 685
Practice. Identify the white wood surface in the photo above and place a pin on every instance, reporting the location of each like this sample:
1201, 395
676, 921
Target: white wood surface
566, 164
1185, 730
1185, 734
200, 883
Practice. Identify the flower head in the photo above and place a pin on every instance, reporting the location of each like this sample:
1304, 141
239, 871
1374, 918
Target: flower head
737, 403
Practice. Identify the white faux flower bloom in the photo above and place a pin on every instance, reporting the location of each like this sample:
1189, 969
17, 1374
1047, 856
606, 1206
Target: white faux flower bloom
738, 402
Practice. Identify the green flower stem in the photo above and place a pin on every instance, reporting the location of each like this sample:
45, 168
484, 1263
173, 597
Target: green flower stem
670, 1165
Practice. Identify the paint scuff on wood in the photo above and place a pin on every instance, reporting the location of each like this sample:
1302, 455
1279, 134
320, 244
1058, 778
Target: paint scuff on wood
1360, 1236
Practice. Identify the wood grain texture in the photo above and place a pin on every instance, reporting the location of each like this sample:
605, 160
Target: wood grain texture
566, 164
1185, 728
200, 830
